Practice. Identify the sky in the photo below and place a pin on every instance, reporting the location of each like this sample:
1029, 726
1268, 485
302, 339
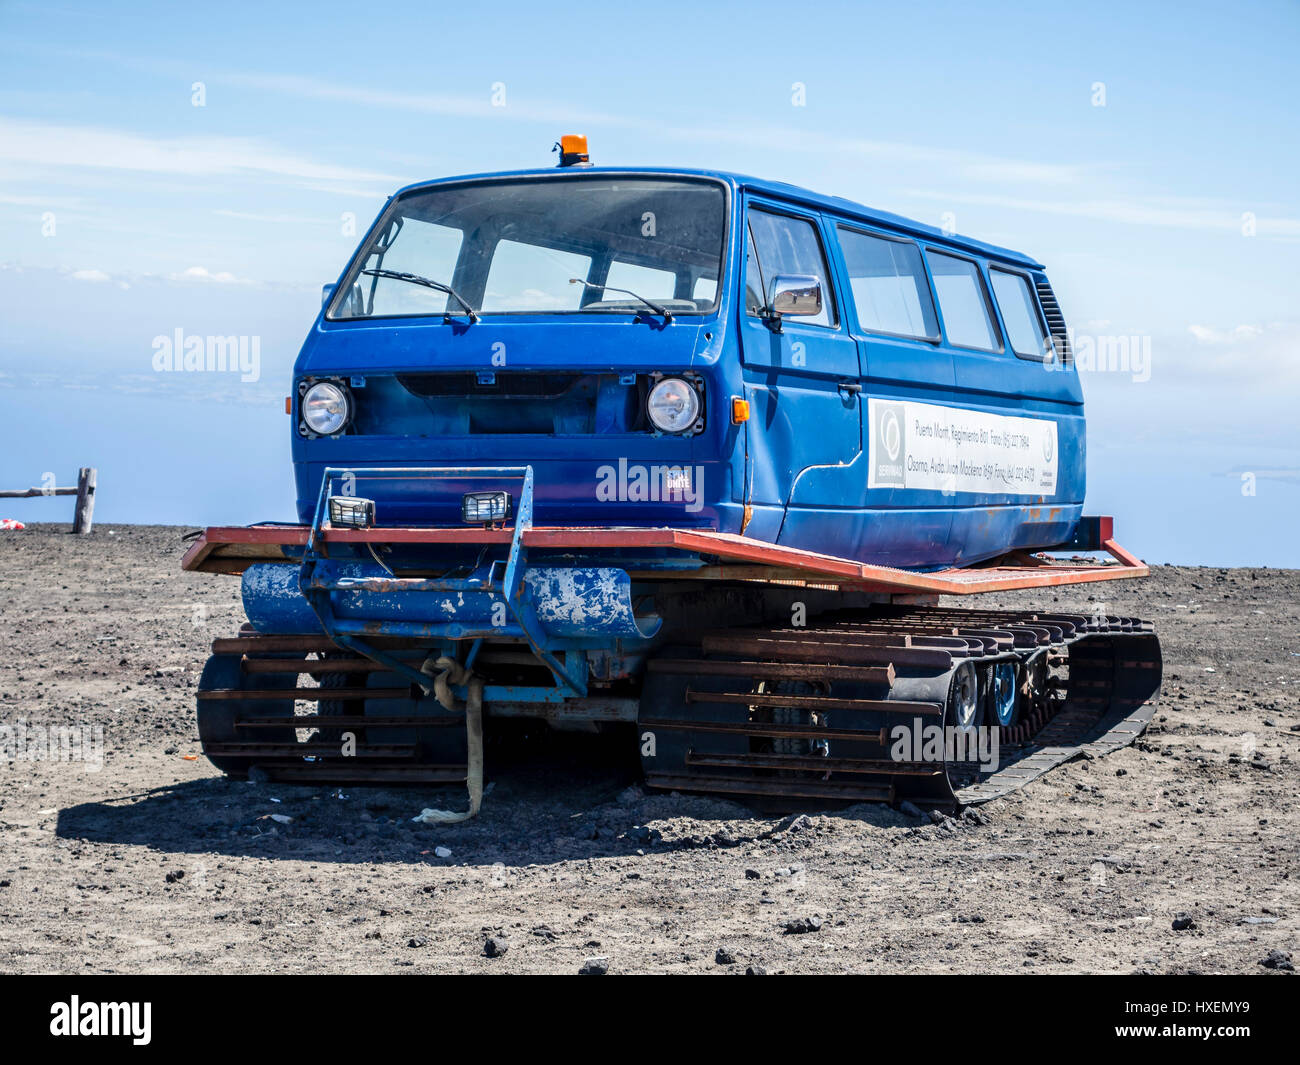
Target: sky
208, 168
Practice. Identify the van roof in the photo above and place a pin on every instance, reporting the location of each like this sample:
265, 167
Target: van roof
794, 193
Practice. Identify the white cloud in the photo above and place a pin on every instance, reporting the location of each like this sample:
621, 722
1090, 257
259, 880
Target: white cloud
275, 219
446, 104
203, 274
1209, 335
1188, 214
96, 277
45, 202
973, 165
1242, 357
90, 147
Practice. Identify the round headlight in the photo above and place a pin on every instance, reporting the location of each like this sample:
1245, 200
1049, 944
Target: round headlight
673, 405
325, 408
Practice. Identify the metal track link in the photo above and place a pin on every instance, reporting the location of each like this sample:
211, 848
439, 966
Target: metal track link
363, 726
814, 712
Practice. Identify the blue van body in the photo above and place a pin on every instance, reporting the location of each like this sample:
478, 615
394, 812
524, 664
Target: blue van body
440, 390
673, 371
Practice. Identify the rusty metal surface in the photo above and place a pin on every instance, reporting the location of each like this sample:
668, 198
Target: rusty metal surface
232, 549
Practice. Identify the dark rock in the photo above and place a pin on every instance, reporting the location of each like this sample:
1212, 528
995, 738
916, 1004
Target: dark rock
910, 809
496, 947
724, 956
594, 967
174, 875
755, 970
1278, 959
802, 925
641, 834
1183, 922
418, 941
750, 874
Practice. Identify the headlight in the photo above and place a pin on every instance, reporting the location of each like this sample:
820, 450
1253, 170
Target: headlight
325, 408
673, 405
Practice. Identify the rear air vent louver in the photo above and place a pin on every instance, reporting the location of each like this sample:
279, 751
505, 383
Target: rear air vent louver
1055, 320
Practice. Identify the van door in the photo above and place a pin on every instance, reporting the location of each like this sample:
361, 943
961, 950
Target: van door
802, 381
891, 309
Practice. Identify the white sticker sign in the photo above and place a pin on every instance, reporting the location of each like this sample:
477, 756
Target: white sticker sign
951, 450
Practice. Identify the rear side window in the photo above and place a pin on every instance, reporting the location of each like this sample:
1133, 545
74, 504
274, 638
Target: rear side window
783, 245
889, 287
1019, 310
963, 301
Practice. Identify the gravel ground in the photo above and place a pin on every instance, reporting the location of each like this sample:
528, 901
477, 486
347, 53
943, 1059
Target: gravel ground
152, 862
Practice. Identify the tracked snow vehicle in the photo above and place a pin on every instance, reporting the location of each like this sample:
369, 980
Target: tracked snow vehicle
686, 451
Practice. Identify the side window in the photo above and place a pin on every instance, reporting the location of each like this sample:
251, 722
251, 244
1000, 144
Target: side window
964, 302
889, 287
1019, 310
783, 245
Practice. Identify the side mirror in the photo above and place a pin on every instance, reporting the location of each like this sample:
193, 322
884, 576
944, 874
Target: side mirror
326, 291
795, 294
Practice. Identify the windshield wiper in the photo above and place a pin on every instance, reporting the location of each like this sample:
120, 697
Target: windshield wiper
667, 314
416, 279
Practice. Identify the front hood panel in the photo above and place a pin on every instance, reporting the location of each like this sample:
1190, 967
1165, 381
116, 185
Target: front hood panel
540, 342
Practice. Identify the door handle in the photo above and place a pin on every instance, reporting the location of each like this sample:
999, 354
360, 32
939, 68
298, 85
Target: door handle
852, 388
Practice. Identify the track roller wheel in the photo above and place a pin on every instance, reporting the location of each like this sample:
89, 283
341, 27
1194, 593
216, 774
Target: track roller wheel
964, 697
1003, 704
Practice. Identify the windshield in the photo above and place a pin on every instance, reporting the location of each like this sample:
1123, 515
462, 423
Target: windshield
543, 245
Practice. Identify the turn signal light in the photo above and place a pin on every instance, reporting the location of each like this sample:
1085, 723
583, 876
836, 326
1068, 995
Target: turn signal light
739, 410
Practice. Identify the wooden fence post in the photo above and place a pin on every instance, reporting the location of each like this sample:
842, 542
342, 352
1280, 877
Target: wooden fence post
82, 521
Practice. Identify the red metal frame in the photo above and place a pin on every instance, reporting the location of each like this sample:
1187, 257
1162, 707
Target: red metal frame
224, 549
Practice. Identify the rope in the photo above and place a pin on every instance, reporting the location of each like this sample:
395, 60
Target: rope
451, 673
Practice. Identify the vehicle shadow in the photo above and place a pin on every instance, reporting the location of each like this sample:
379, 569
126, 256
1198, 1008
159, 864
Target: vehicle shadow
541, 814
550, 798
